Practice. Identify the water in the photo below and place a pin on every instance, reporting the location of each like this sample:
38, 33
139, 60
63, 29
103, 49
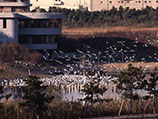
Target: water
71, 96
15, 91
70, 85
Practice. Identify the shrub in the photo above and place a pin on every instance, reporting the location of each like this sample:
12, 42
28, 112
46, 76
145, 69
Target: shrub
15, 52
36, 57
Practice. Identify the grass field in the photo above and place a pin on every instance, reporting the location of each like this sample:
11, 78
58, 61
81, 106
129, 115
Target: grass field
123, 66
95, 30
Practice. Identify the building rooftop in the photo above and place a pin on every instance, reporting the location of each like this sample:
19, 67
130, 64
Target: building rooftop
14, 3
31, 15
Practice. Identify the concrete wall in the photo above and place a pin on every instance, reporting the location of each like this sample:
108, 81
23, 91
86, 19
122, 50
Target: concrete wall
10, 33
97, 5
42, 3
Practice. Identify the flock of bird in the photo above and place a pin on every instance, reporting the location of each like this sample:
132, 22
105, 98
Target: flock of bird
12, 83
90, 59
59, 81
74, 68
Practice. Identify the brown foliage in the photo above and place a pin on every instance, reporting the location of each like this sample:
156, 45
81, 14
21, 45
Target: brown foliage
36, 57
15, 52
59, 109
12, 52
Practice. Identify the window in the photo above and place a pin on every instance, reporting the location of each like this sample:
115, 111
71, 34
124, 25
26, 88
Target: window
4, 23
40, 23
37, 39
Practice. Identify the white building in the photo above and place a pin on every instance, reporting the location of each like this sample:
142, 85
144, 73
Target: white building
94, 5
34, 30
69, 4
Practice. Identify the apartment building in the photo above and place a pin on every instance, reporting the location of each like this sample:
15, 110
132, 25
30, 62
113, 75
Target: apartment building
94, 5
98, 5
37, 31
69, 4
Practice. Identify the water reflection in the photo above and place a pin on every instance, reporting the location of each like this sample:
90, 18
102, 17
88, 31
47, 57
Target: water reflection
15, 91
71, 95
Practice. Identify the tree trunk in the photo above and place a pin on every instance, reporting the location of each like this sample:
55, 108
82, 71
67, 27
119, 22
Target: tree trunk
146, 105
121, 108
142, 107
131, 101
154, 105
131, 105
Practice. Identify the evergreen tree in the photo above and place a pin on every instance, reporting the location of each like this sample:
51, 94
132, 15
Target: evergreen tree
151, 86
129, 81
93, 90
2, 107
35, 97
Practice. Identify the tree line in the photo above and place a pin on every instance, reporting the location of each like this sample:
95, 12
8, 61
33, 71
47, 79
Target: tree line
38, 103
147, 17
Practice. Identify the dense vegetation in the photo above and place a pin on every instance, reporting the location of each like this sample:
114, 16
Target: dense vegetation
12, 52
13, 57
36, 103
114, 17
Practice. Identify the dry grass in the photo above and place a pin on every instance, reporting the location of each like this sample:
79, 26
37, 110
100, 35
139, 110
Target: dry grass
7, 72
95, 30
124, 66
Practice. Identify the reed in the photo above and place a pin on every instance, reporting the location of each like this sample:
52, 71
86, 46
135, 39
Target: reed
59, 109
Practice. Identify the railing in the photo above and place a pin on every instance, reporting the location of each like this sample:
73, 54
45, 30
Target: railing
137, 116
25, 1
8, 0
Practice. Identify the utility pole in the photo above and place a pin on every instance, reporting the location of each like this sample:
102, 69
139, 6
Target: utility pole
108, 59
83, 62
99, 53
